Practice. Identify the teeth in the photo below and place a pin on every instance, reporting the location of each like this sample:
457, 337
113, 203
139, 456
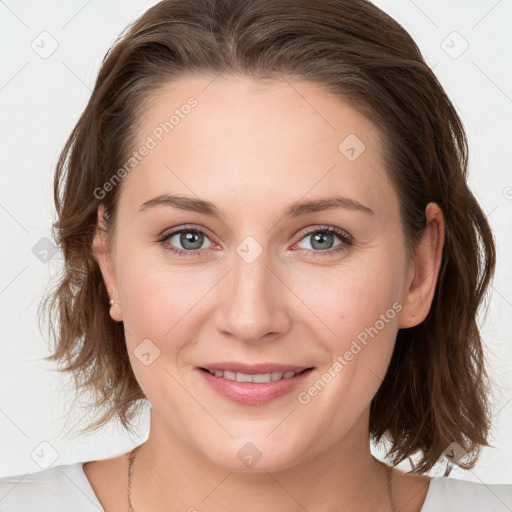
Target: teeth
258, 377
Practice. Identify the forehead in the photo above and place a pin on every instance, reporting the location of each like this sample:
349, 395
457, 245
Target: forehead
230, 137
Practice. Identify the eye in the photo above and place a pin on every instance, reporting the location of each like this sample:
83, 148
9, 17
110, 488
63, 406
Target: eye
322, 239
191, 239
188, 241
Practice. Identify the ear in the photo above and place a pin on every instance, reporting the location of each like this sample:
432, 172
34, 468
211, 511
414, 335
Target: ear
102, 254
422, 279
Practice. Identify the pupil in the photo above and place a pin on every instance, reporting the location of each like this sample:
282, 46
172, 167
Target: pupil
192, 237
319, 240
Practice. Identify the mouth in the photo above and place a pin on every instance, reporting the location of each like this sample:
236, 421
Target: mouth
257, 378
253, 385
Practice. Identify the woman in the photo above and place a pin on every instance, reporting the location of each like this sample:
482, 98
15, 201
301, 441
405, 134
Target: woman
269, 237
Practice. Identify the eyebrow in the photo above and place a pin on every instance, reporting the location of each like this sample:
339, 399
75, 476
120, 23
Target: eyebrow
295, 210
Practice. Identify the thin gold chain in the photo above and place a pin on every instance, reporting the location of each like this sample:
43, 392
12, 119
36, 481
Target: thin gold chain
131, 458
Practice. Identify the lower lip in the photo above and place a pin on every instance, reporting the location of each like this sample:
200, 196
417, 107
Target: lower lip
252, 393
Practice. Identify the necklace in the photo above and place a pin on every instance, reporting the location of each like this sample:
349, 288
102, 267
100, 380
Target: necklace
131, 458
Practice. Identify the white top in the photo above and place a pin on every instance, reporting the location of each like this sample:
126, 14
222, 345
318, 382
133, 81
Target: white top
66, 488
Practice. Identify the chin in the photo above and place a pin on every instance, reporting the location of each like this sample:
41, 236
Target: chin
256, 455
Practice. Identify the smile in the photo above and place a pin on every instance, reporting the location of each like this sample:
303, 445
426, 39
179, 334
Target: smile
257, 388
256, 378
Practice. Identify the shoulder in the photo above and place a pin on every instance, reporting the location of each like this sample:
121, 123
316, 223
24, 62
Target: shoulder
57, 489
453, 494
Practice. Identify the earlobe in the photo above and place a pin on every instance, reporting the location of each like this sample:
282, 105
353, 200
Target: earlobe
425, 271
104, 258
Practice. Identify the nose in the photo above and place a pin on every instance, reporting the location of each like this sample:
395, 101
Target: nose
252, 301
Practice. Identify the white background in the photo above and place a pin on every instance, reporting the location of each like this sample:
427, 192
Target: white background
41, 100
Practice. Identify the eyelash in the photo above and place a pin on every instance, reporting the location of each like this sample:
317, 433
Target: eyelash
344, 237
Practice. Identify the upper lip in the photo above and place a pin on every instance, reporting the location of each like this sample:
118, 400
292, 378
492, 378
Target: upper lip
251, 369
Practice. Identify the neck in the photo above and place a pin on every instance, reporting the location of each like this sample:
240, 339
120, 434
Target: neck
345, 477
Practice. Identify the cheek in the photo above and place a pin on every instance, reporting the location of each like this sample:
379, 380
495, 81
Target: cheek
160, 315
356, 308
356, 321
160, 301
347, 299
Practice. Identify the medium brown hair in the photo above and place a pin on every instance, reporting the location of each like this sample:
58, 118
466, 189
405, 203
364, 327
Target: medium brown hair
436, 387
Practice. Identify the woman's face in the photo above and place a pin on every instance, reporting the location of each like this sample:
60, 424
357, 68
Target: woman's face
297, 260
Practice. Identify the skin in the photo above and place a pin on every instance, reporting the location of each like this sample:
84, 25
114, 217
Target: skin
252, 150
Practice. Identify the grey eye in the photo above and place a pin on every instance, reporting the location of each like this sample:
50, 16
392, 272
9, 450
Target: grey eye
188, 239
321, 240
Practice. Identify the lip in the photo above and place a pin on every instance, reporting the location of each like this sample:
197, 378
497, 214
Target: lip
252, 393
251, 369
